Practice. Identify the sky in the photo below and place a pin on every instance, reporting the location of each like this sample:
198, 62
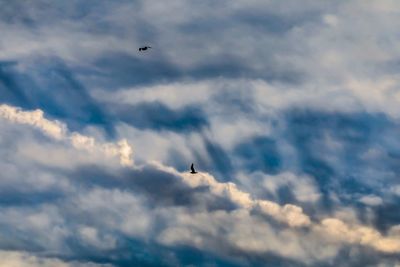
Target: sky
288, 109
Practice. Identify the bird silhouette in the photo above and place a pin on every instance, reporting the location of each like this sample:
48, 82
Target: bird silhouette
144, 48
193, 171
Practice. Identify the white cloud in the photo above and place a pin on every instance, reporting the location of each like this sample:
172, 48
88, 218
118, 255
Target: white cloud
331, 20
91, 236
239, 229
157, 146
122, 149
289, 214
24, 259
395, 190
174, 95
116, 210
357, 234
44, 224
58, 131
34, 118
292, 215
302, 186
371, 200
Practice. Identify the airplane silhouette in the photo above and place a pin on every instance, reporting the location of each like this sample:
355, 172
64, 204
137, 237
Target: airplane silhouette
144, 48
192, 169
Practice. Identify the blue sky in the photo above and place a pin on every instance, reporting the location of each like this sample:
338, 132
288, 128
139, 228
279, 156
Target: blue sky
289, 110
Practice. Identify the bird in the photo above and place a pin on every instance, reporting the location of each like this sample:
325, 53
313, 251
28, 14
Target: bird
144, 48
192, 169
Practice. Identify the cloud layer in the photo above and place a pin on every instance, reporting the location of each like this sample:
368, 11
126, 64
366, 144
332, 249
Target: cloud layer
193, 210
289, 111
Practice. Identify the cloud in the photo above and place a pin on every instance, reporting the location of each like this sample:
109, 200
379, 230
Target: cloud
58, 131
156, 116
371, 200
122, 149
360, 235
303, 187
293, 127
54, 129
290, 214
101, 210
293, 215
21, 259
